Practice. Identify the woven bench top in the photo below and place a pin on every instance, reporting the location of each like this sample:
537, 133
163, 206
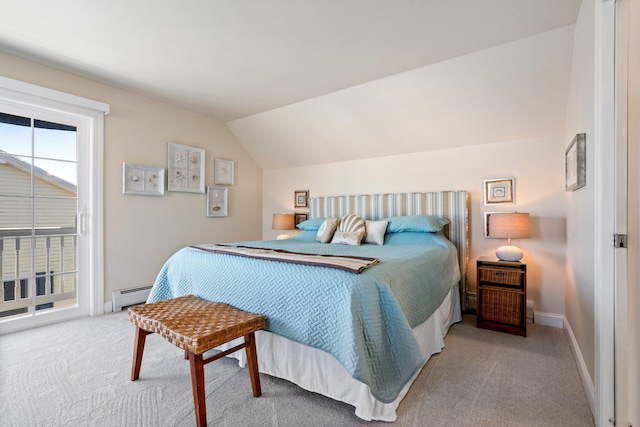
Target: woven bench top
194, 324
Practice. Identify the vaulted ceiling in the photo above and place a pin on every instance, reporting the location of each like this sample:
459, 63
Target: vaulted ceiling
288, 75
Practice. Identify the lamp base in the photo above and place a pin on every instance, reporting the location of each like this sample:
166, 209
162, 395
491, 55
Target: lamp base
283, 236
509, 253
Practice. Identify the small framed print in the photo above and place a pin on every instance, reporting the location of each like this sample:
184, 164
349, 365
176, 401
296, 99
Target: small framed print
185, 168
142, 180
300, 217
223, 172
499, 191
216, 201
575, 164
300, 199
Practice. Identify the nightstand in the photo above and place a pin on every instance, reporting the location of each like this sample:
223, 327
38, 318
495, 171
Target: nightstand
502, 296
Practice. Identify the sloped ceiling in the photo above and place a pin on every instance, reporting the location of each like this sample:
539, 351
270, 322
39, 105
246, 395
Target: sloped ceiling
264, 65
511, 92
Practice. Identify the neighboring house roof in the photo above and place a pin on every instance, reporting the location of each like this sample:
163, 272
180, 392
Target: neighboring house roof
37, 172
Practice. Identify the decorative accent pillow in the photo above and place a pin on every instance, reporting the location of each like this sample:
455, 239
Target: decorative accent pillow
352, 222
311, 224
326, 230
416, 223
348, 237
375, 232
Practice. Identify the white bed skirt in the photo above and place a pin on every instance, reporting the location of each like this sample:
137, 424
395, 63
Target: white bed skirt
320, 372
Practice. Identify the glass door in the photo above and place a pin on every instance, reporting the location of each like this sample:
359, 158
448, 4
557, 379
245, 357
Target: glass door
38, 215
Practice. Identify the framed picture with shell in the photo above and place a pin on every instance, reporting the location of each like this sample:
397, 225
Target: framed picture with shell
185, 168
217, 199
300, 217
142, 180
499, 191
223, 171
301, 199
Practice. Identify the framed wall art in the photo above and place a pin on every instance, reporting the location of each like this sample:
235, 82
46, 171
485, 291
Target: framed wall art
575, 164
185, 168
300, 217
142, 180
300, 199
217, 201
223, 172
499, 191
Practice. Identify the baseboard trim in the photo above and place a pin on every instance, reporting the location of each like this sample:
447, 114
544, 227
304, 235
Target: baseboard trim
587, 383
549, 319
108, 307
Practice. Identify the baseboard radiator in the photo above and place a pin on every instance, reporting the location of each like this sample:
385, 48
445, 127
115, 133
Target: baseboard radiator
127, 297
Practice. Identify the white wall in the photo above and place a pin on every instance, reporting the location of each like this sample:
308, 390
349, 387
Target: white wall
579, 205
494, 113
141, 232
537, 166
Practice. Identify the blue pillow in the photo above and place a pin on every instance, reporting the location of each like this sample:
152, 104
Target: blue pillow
311, 224
409, 238
307, 236
416, 223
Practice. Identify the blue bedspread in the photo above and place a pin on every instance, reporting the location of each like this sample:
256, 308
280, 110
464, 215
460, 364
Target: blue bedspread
363, 320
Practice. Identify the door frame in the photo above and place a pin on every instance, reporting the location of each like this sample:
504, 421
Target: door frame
621, 214
90, 217
605, 202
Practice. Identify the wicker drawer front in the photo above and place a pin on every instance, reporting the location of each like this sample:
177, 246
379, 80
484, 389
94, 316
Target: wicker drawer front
502, 306
503, 276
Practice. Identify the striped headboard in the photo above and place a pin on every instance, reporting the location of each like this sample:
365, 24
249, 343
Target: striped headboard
452, 205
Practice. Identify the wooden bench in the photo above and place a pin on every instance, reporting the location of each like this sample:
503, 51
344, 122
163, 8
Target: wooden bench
196, 325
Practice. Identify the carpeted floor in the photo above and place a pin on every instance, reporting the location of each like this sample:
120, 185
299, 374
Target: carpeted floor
77, 374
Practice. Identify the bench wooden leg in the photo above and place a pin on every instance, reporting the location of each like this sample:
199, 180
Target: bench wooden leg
252, 359
138, 350
197, 385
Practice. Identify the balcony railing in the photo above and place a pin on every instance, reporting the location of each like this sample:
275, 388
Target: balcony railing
38, 269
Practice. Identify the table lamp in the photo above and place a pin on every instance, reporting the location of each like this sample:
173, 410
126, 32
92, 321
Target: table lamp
509, 226
282, 222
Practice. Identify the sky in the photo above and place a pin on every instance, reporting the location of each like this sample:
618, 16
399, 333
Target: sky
53, 150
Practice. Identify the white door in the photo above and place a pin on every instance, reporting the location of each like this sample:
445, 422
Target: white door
627, 329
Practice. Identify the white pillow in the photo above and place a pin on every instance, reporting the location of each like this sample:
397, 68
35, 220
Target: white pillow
375, 232
348, 237
326, 230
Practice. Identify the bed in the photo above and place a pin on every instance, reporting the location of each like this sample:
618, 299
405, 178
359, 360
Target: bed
361, 338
